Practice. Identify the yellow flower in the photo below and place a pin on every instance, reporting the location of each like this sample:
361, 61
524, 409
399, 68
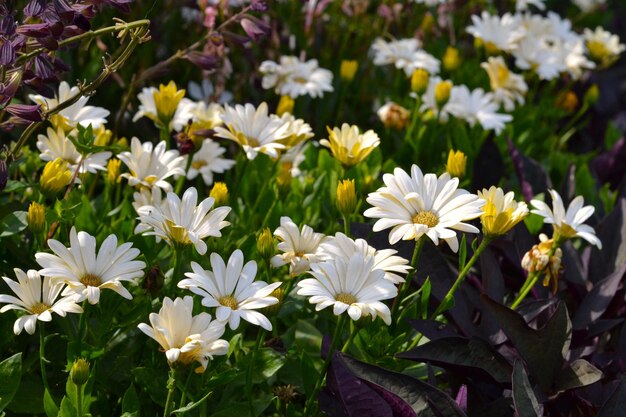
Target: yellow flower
285, 105
348, 145
113, 171
419, 80
457, 163
56, 176
346, 197
451, 59
348, 69
36, 217
103, 136
500, 212
442, 92
220, 193
166, 101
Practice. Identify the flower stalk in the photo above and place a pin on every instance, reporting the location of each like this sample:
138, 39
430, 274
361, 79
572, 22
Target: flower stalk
419, 245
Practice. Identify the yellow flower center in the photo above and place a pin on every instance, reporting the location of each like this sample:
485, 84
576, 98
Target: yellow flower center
177, 233
228, 301
198, 164
90, 280
151, 179
427, 218
567, 231
345, 298
39, 308
598, 50
300, 80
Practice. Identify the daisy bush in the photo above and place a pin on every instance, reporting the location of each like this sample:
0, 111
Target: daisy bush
305, 208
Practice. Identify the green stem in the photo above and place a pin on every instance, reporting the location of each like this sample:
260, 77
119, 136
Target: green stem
81, 328
353, 333
176, 269
42, 357
346, 225
184, 394
79, 399
419, 245
257, 345
171, 388
181, 180
450, 295
528, 285
333, 345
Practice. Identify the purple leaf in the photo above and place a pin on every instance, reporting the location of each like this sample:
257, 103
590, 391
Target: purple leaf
524, 398
612, 232
609, 166
598, 299
614, 406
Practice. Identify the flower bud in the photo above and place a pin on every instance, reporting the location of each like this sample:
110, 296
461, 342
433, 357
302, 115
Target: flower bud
451, 59
442, 92
36, 217
348, 69
272, 310
346, 197
285, 105
592, 94
567, 101
220, 193
457, 164
102, 136
419, 81
265, 244
55, 177
153, 281
113, 171
79, 374
428, 22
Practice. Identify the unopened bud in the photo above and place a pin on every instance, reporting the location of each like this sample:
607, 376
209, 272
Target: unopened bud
348, 69
113, 171
419, 81
36, 217
457, 163
79, 374
592, 95
451, 59
285, 105
442, 92
265, 244
55, 177
346, 197
220, 193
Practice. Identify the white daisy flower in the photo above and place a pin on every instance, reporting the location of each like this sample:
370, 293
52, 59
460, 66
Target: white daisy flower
348, 145
150, 167
568, 223
423, 204
55, 144
198, 114
253, 129
497, 33
39, 300
404, 54
429, 102
341, 245
182, 222
300, 247
147, 197
232, 290
603, 46
294, 78
86, 272
351, 285
477, 106
208, 160
507, 87
297, 130
186, 338
76, 114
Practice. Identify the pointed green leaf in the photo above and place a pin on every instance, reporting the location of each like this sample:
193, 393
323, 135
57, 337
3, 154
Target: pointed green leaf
51, 407
10, 377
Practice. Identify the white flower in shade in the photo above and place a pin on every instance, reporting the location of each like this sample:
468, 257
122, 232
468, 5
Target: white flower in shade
603, 46
341, 245
423, 204
231, 289
86, 272
208, 160
507, 87
522, 5
588, 5
55, 144
567, 223
76, 114
38, 299
477, 106
497, 33
290, 164
348, 145
300, 247
150, 167
253, 129
147, 105
404, 54
294, 78
531, 55
181, 222
297, 130
198, 115
351, 285
186, 338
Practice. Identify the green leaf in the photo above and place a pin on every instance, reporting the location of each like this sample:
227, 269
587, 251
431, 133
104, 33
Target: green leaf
51, 407
13, 223
542, 350
10, 377
309, 373
579, 374
191, 406
524, 399
130, 403
152, 382
67, 408
308, 337
30, 387
463, 354
425, 297
462, 253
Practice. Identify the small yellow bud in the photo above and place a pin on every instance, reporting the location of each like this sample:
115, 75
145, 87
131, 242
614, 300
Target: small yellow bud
122, 142
166, 101
55, 177
348, 69
113, 171
457, 163
451, 59
79, 374
285, 105
220, 193
419, 80
103, 136
346, 197
265, 244
592, 94
567, 101
442, 92
428, 22
36, 217
284, 175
